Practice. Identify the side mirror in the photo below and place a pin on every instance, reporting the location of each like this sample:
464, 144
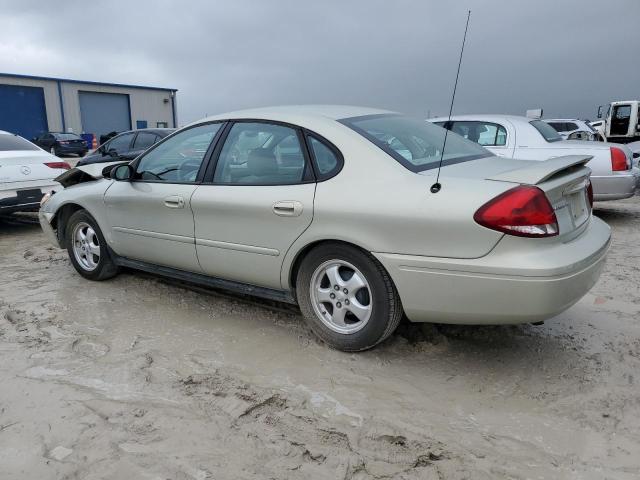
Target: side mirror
112, 152
121, 173
600, 111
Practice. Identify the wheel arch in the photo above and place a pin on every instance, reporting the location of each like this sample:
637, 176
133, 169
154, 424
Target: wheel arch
61, 217
291, 271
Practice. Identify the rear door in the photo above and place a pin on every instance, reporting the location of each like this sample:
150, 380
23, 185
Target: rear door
258, 201
151, 217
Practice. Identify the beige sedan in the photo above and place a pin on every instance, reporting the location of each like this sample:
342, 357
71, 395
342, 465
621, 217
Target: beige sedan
334, 208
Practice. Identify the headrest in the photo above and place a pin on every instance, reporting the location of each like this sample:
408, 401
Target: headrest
262, 162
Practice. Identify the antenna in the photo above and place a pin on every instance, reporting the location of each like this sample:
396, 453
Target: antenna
435, 188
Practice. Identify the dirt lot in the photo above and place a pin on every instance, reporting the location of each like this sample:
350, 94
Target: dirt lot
140, 377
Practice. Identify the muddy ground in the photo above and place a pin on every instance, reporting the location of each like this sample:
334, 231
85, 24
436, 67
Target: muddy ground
140, 377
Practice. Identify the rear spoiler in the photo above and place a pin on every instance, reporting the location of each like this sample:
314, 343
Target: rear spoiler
536, 172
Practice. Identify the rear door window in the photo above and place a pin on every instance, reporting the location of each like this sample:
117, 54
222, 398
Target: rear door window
144, 140
120, 143
487, 134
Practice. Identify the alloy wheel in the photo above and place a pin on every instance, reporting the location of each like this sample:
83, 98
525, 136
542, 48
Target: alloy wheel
341, 296
86, 246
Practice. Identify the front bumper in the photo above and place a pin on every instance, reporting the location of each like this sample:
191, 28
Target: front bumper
507, 286
45, 222
615, 187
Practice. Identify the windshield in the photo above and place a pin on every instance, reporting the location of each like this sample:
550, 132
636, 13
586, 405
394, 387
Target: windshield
546, 130
414, 143
14, 142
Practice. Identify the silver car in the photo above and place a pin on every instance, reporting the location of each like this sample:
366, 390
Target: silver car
613, 175
333, 208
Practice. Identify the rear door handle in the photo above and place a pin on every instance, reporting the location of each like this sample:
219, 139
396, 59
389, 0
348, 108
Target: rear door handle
174, 201
288, 208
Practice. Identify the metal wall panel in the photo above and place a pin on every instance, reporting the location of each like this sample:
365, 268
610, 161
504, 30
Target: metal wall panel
22, 110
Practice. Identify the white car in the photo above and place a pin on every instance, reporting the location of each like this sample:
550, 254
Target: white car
573, 129
26, 173
613, 175
598, 126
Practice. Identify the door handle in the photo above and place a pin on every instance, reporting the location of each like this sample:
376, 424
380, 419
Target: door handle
174, 201
288, 208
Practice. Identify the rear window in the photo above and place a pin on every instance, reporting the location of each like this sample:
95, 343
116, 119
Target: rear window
66, 136
546, 130
14, 142
414, 143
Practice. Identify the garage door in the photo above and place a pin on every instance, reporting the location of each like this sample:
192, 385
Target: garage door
22, 110
104, 112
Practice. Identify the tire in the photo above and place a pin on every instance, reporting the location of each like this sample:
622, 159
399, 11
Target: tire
378, 296
53, 151
91, 263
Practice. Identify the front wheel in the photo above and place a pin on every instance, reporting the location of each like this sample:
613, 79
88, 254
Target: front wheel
347, 297
87, 248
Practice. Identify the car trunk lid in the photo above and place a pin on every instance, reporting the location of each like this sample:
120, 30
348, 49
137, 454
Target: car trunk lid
564, 181
27, 166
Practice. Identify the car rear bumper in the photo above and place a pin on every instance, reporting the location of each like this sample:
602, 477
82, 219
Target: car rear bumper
507, 286
614, 187
23, 199
81, 149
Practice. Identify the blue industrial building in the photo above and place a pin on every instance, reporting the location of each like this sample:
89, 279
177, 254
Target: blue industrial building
31, 104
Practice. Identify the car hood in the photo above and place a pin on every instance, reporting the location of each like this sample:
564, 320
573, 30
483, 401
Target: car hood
85, 173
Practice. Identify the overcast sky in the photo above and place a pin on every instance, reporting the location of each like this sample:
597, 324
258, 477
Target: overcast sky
564, 56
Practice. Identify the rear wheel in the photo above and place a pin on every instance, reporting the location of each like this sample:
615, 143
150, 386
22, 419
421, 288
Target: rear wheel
347, 297
87, 248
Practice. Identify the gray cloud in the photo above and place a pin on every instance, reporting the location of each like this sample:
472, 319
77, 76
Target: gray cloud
564, 56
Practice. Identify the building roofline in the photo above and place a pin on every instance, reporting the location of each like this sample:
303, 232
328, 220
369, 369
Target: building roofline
87, 82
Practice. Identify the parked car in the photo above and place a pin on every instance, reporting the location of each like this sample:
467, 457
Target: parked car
60, 143
512, 136
126, 145
574, 129
598, 126
26, 173
308, 205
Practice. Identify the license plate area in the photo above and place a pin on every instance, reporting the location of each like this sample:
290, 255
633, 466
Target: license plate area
578, 206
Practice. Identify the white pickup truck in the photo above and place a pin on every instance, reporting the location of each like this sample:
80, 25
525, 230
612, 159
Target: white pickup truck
622, 121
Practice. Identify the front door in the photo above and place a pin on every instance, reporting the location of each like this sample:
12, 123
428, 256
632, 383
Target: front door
150, 217
259, 201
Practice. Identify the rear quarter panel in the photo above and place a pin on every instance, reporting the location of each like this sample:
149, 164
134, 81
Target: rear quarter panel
379, 205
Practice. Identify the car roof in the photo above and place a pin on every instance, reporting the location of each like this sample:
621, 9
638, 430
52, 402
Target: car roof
288, 113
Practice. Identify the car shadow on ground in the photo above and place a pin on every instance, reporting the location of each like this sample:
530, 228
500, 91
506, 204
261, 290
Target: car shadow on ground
19, 223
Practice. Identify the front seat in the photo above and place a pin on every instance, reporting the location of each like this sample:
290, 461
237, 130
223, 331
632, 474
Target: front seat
262, 167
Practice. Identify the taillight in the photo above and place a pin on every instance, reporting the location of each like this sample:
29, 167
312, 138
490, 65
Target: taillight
590, 193
523, 211
64, 165
618, 160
